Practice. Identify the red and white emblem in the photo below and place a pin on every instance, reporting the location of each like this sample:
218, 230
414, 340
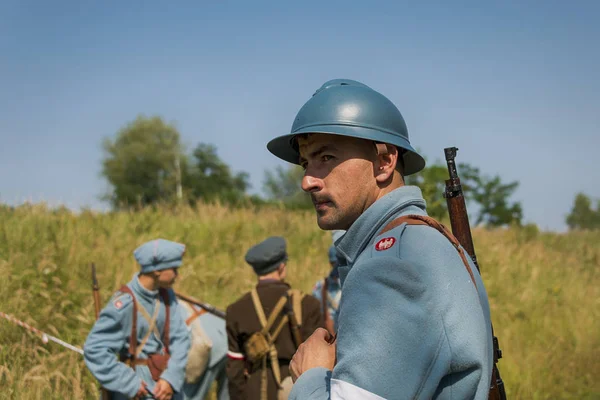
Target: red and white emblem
385, 243
118, 304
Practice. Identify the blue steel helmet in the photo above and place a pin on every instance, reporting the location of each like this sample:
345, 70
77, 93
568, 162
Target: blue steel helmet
349, 108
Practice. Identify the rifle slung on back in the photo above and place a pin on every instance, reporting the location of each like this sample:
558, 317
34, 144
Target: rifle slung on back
461, 229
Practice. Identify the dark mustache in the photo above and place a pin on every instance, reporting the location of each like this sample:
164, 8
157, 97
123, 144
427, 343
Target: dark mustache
319, 199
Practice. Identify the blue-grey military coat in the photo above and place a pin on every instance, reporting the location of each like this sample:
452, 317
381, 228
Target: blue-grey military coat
110, 336
411, 325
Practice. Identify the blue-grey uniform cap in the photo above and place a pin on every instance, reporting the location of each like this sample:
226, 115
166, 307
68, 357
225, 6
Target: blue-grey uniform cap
159, 254
349, 108
266, 256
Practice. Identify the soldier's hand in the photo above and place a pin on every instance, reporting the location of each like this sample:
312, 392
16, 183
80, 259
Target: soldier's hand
163, 390
316, 351
142, 391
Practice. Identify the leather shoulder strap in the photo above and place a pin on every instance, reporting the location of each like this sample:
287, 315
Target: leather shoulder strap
297, 296
195, 313
425, 220
165, 296
262, 318
151, 326
133, 336
264, 322
276, 311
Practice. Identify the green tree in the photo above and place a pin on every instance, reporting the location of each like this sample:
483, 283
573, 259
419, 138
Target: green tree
582, 215
208, 178
141, 162
283, 185
489, 196
431, 181
495, 208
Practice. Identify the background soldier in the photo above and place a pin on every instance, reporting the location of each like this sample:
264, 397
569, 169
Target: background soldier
265, 327
143, 326
414, 318
328, 290
210, 331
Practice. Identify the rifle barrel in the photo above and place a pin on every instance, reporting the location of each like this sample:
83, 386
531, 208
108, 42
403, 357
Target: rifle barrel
95, 291
210, 308
461, 229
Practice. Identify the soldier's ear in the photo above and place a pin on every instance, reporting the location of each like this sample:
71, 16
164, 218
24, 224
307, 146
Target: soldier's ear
386, 161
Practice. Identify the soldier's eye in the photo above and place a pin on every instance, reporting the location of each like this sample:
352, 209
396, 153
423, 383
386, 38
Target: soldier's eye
326, 157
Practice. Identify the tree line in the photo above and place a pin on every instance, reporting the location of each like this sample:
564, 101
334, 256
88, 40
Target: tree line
146, 164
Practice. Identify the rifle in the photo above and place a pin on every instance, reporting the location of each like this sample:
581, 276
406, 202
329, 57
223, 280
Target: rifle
210, 308
459, 221
105, 394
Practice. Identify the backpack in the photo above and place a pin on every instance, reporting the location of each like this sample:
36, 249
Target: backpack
260, 345
201, 344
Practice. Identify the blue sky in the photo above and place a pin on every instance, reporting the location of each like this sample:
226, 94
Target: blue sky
514, 85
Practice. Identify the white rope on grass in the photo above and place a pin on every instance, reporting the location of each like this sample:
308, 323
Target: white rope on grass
43, 335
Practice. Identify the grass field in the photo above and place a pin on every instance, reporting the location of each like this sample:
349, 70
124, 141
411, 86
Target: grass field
544, 289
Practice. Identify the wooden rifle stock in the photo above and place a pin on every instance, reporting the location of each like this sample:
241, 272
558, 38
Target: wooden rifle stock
96, 291
457, 207
105, 394
461, 229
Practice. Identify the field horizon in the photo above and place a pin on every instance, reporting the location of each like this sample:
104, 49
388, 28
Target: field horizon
543, 287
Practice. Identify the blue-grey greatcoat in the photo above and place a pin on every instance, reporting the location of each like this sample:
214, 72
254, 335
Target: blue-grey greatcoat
215, 371
411, 323
110, 337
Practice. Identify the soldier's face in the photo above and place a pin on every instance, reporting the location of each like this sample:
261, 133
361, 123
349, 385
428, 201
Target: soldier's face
167, 277
339, 175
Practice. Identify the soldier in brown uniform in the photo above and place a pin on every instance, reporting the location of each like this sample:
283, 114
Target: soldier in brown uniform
266, 326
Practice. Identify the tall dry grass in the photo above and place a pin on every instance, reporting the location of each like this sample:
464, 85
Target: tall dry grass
544, 288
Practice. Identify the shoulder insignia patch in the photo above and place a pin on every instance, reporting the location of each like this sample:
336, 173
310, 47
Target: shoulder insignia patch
385, 243
120, 300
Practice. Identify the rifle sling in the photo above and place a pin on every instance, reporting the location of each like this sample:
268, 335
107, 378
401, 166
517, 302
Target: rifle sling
425, 220
495, 393
152, 328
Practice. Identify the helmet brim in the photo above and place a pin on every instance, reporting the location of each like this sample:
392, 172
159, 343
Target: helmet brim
283, 146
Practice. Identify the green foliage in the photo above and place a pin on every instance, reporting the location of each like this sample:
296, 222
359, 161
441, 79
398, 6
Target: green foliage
582, 215
208, 178
431, 181
543, 288
283, 186
147, 165
492, 196
140, 163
